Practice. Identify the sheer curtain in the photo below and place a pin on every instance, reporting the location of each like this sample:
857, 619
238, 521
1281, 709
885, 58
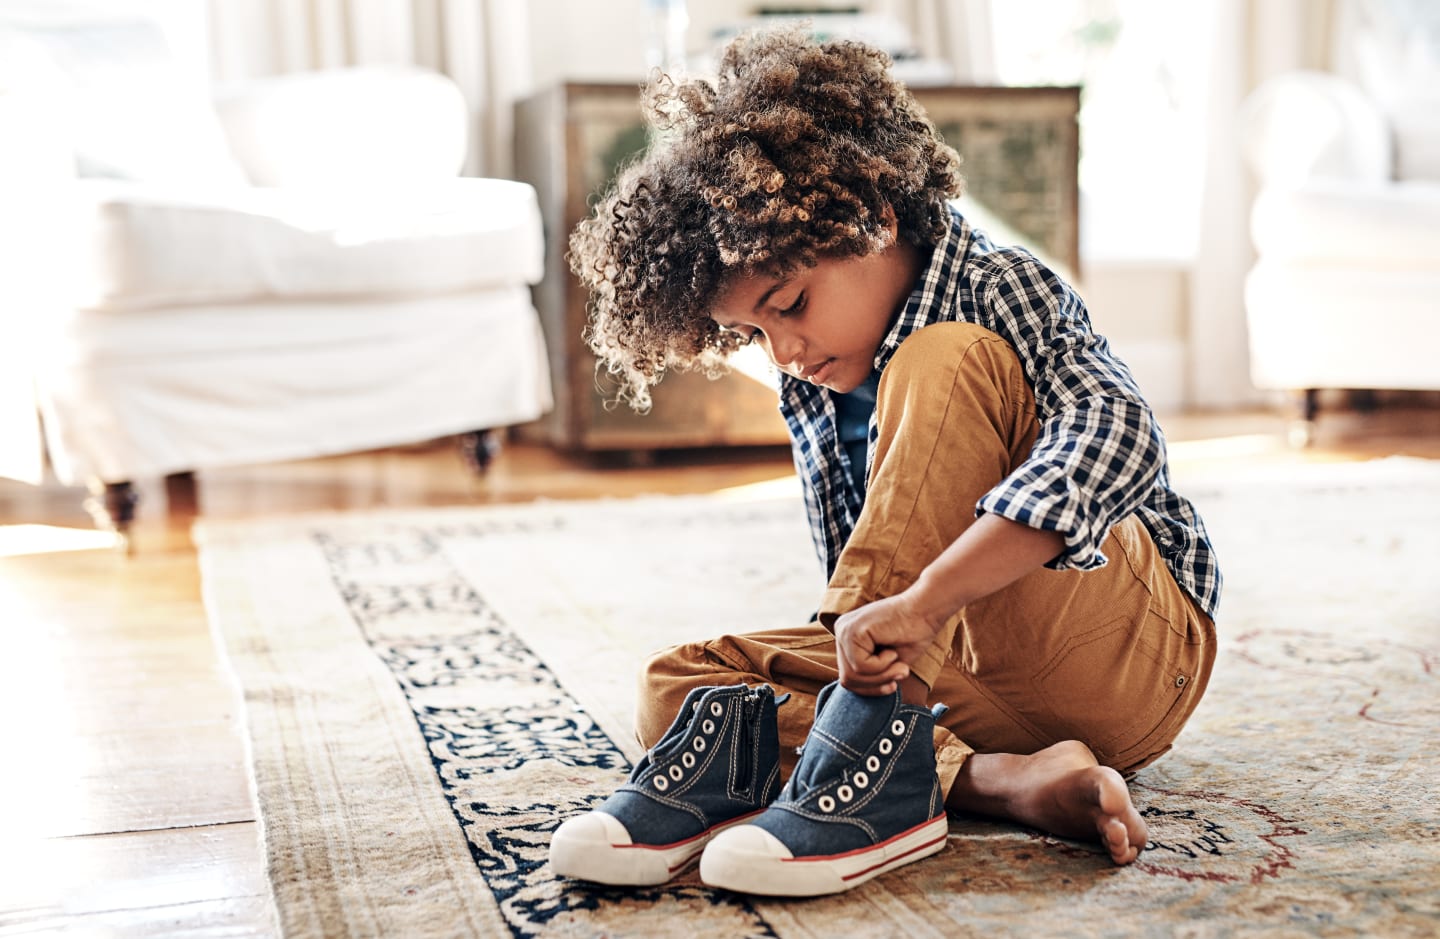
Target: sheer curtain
955, 31
482, 44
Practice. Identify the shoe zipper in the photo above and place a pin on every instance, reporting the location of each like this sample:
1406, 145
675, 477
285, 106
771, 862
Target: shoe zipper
745, 745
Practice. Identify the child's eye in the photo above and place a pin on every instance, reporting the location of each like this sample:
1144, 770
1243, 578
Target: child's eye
797, 307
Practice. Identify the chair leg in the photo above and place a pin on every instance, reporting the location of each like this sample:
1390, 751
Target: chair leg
112, 506
479, 448
1302, 427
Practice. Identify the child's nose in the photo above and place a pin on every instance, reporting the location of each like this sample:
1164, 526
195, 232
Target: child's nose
785, 348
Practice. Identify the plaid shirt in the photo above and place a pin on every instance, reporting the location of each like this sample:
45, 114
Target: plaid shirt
1099, 455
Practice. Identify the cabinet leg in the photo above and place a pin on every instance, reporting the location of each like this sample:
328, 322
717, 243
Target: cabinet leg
479, 448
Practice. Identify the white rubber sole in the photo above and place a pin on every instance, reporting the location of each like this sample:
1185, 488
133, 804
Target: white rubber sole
747, 859
596, 847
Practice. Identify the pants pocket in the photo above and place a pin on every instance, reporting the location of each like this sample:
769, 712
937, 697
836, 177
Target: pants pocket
1112, 688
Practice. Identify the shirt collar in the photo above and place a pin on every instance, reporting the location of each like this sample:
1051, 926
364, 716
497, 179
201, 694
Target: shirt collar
934, 294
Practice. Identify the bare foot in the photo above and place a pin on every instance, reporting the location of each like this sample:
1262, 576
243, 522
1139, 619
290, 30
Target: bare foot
1061, 789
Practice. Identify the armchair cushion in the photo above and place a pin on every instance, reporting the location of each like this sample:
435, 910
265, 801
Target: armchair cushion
346, 126
1314, 125
1415, 117
151, 246
1400, 71
1375, 226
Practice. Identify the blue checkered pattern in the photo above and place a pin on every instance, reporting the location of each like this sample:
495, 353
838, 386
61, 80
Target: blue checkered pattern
1099, 455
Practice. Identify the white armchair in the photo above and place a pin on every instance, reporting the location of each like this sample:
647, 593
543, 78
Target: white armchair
292, 270
1346, 226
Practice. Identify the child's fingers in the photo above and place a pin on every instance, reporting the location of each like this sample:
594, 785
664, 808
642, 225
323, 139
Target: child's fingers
873, 672
869, 664
879, 660
885, 683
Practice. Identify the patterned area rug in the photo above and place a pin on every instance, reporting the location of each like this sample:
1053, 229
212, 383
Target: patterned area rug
428, 694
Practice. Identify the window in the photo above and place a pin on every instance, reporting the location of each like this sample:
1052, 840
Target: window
1142, 65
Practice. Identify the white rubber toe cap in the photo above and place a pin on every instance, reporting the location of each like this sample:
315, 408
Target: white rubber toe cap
598, 848
593, 828
588, 847
749, 859
746, 859
752, 841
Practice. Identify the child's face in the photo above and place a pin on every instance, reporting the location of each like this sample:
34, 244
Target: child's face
824, 323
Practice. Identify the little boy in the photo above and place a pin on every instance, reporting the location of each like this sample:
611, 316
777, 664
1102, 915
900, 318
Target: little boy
1019, 608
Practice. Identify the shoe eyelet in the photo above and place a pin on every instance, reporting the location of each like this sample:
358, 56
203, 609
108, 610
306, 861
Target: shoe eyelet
717, 708
708, 727
661, 783
827, 804
688, 759
845, 793
699, 744
886, 746
694, 706
861, 780
872, 762
897, 727
676, 773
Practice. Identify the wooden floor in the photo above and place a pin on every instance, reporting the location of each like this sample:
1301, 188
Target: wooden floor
125, 804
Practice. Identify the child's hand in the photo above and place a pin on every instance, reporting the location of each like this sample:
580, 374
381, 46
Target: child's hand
877, 643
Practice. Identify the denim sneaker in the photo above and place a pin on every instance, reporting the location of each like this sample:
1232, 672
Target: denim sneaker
717, 765
864, 799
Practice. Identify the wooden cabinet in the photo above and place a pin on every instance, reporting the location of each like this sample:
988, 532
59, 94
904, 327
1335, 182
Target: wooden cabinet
1020, 149
1020, 153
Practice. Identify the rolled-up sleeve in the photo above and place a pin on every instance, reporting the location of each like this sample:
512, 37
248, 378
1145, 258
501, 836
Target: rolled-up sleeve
1099, 451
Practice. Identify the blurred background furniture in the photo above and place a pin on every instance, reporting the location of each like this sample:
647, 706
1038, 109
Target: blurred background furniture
569, 141
1021, 150
1346, 226
290, 269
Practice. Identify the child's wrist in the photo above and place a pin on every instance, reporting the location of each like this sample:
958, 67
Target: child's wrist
927, 602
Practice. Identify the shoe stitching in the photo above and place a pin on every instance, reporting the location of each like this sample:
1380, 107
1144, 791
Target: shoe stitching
672, 797
845, 749
822, 818
846, 773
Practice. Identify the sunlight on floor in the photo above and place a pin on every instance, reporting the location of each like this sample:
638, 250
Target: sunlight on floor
1223, 448
16, 540
783, 487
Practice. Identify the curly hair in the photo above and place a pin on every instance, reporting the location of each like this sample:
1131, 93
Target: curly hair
800, 151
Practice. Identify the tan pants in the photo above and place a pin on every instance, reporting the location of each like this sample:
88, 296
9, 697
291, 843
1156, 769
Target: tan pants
1116, 657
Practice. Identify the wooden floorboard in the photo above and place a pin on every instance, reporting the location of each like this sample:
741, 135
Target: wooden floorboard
124, 798
203, 881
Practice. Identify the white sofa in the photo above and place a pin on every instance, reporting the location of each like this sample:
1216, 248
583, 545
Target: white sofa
289, 270
1345, 293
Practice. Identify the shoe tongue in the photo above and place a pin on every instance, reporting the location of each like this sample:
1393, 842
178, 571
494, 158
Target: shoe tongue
674, 738
845, 725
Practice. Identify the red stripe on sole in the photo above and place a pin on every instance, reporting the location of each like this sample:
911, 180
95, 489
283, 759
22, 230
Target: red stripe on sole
898, 857
827, 858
